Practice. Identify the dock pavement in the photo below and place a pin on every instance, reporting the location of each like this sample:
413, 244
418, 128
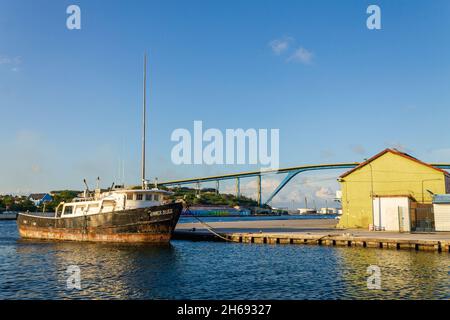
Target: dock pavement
310, 232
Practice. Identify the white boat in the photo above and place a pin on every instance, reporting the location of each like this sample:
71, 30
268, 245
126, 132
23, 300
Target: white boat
8, 215
116, 199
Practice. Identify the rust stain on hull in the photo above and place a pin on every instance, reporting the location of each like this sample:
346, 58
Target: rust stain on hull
150, 225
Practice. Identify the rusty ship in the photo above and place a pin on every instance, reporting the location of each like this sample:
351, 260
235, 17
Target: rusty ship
118, 214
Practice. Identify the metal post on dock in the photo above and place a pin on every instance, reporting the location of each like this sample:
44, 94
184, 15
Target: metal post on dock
217, 187
238, 188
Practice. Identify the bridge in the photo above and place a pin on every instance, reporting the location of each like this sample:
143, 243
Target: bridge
290, 172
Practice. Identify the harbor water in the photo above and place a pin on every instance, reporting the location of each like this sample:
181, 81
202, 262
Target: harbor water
211, 270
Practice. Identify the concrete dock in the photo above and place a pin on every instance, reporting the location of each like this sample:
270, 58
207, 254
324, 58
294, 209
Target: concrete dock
8, 216
311, 231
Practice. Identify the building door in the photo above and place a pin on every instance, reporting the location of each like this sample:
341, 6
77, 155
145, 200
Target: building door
403, 221
391, 213
423, 219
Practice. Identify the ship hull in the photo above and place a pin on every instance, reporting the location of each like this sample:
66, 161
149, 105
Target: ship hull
149, 225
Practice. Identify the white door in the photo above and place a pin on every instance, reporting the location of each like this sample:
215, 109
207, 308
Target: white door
391, 213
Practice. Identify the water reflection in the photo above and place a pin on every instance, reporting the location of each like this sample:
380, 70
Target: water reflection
206, 270
108, 271
404, 274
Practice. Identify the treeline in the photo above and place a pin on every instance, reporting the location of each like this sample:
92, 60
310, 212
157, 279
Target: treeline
209, 196
58, 197
16, 203
23, 204
206, 196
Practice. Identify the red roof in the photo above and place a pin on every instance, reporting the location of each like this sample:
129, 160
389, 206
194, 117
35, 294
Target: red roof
394, 151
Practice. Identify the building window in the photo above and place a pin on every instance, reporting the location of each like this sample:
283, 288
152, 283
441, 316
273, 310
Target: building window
156, 197
68, 210
148, 197
139, 196
130, 196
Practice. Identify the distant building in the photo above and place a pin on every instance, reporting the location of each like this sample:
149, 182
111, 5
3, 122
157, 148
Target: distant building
39, 198
327, 211
212, 210
306, 211
391, 191
282, 210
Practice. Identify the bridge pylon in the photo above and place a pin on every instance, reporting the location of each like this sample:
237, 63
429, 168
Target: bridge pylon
259, 191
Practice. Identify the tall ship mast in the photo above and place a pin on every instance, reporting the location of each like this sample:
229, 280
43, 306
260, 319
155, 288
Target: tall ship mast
144, 121
116, 214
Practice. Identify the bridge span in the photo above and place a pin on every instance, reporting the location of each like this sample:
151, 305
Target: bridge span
290, 172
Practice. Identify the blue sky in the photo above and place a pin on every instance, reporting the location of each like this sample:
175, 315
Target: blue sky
70, 99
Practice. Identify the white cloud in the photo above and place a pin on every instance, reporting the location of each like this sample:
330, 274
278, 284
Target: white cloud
283, 45
315, 187
13, 62
279, 46
438, 155
301, 55
327, 154
324, 193
25, 137
8, 60
359, 149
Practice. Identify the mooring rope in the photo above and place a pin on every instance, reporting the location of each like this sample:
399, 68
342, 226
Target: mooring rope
208, 227
325, 236
211, 229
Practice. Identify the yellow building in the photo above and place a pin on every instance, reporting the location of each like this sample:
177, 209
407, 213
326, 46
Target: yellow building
390, 173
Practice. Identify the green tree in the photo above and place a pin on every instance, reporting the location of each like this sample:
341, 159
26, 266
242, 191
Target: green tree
27, 205
58, 197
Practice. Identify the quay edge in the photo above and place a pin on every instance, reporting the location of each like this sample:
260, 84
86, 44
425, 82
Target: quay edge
441, 245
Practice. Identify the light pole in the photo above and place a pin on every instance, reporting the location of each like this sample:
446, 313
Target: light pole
371, 195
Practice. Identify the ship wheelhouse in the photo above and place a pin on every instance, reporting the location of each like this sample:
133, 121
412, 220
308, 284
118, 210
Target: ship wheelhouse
110, 201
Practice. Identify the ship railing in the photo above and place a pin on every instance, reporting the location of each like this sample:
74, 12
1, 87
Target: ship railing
83, 199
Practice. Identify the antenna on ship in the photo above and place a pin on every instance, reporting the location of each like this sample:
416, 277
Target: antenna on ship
144, 184
86, 191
